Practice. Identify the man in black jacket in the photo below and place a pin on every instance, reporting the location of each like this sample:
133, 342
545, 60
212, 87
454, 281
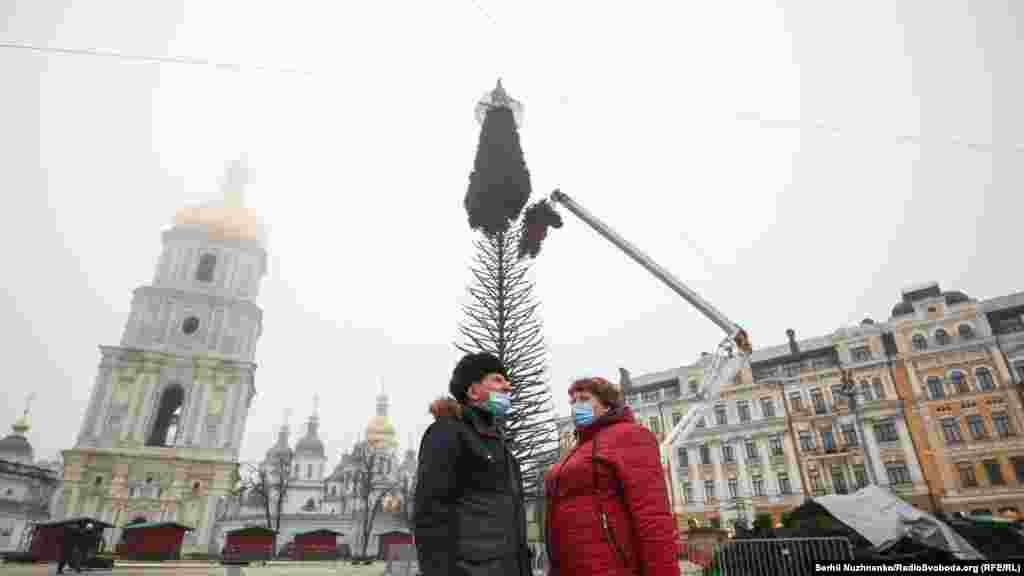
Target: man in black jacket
469, 516
70, 553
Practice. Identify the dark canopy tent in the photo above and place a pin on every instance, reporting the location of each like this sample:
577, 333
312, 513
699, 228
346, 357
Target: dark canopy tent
996, 538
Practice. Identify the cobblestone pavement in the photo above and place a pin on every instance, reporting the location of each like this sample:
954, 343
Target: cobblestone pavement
196, 569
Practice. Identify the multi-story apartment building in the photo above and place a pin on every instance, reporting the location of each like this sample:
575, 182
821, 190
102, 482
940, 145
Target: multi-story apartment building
961, 406
868, 434
738, 461
927, 404
1006, 317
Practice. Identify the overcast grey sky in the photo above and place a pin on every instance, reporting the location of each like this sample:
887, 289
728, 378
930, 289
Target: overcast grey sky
797, 163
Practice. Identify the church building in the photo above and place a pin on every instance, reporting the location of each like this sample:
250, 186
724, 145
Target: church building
161, 435
27, 487
316, 499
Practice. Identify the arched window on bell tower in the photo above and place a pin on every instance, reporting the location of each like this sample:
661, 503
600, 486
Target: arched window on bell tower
167, 421
204, 273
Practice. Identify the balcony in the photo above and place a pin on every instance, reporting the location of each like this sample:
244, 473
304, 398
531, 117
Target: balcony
821, 408
831, 451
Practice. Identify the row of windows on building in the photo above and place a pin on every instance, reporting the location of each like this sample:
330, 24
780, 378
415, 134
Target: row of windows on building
941, 337
958, 383
952, 432
845, 436
884, 429
993, 471
897, 473
659, 394
792, 369
869, 390
721, 416
757, 484
729, 453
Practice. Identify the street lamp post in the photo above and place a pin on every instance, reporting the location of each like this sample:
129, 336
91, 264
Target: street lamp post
781, 383
849, 390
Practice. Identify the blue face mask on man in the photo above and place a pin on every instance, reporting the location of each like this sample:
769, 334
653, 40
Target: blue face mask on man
498, 403
582, 413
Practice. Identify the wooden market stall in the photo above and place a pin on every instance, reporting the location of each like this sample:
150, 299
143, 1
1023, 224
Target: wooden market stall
319, 544
248, 544
388, 540
48, 537
152, 541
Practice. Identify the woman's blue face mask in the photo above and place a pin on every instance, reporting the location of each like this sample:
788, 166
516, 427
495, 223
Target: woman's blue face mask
582, 413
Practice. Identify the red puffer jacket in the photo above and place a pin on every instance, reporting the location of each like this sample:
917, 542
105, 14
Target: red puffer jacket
636, 534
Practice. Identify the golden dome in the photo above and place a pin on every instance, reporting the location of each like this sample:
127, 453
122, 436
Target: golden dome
228, 218
223, 222
381, 431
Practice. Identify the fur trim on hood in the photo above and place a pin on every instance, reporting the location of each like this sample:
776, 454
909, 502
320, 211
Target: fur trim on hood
446, 407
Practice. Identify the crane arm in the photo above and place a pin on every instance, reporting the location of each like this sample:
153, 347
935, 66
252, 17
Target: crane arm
737, 334
724, 364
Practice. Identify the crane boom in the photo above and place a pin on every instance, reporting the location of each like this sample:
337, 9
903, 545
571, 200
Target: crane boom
723, 366
736, 333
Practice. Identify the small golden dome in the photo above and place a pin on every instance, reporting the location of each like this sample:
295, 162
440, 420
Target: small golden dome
381, 431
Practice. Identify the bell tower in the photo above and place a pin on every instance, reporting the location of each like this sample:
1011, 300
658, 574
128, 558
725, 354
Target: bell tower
161, 435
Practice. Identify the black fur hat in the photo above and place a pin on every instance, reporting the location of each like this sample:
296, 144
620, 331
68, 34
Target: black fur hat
472, 368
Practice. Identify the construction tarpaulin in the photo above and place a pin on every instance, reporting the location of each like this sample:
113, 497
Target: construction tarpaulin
882, 517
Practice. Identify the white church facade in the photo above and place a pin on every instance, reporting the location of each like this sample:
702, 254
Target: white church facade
317, 498
161, 436
27, 487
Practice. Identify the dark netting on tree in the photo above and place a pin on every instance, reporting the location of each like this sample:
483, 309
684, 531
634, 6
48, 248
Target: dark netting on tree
499, 185
536, 221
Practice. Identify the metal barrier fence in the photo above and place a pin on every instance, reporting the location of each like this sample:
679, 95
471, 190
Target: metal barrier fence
540, 559
777, 556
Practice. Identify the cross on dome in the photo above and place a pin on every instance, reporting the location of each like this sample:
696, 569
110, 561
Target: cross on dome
227, 218
21, 425
232, 184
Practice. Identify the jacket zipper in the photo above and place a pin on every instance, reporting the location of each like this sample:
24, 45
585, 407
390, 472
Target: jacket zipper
611, 539
604, 515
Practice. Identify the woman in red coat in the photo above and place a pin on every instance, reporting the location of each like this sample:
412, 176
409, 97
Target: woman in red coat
608, 510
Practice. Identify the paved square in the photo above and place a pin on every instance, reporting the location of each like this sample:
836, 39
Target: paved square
195, 569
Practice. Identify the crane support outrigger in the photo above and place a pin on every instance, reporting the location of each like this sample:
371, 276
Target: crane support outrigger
730, 356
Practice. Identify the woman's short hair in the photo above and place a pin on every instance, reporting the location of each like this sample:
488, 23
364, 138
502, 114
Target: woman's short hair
609, 394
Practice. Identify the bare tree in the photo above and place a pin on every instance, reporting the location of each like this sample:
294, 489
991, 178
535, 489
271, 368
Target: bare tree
373, 483
405, 489
268, 485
